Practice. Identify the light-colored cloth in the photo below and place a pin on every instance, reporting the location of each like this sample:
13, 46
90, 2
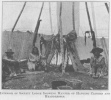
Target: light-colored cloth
8, 59
33, 59
10, 65
98, 65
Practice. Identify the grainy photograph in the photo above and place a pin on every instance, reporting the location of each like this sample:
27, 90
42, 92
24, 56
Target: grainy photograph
55, 45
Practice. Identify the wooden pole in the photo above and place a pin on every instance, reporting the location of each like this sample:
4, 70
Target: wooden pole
104, 46
61, 38
10, 42
93, 17
107, 7
65, 58
50, 17
94, 22
39, 16
92, 32
88, 17
73, 18
56, 57
37, 26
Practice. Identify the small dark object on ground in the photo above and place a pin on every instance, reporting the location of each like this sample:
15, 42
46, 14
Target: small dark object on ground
95, 77
69, 68
56, 84
85, 61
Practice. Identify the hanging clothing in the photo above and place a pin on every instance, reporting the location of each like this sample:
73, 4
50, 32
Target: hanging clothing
98, 65
32, 62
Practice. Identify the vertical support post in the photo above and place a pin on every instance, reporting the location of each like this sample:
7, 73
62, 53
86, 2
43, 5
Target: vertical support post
61, 38
56, 57
73, 18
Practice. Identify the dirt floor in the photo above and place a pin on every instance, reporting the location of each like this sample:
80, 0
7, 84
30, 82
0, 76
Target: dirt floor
42, 80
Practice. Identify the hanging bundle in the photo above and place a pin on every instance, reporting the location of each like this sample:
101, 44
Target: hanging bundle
72, 36
56, 41
87, 32
42, 42
93, 38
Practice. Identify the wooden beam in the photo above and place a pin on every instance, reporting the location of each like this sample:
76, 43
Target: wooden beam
94, 22
94, 19
104, 46
88, 16
11, 35
90, 25
61, 37
75, 59
18, 17
37, 26
107, 7
73, 18
57, 57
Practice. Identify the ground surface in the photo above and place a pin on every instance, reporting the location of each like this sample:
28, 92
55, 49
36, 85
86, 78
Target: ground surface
42, 80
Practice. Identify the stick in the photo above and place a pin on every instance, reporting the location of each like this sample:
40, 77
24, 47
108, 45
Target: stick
37, 26
10, 42
61, 38
92, 32
73, 18
107, 7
